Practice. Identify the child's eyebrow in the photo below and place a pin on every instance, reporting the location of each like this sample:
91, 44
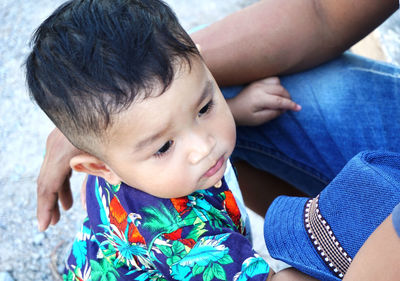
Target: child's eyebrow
150, 139
205, 93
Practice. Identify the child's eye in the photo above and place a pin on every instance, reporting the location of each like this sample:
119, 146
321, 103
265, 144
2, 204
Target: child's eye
206, 108
164, 149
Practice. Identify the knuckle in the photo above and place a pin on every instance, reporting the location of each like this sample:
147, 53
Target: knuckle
41, 191
40, 186
280, 88
279, 101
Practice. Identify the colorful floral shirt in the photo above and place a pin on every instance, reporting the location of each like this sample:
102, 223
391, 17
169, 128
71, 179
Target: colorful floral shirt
131, 235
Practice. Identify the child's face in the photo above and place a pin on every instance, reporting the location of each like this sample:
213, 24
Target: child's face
175, 143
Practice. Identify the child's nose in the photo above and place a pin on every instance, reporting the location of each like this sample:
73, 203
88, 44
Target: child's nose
201, 146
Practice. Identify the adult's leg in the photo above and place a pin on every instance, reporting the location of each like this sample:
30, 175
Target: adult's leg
349, 104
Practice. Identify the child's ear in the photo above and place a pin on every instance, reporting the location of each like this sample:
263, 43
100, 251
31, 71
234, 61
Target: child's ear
87, 163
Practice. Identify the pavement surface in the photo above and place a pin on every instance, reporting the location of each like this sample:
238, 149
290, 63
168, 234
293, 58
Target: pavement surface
26, 253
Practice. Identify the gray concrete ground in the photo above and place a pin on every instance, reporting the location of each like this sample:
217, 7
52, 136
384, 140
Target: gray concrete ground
25, 253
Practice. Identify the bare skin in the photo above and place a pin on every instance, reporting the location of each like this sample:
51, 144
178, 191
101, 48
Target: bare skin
378, 258
277, 37
261, 102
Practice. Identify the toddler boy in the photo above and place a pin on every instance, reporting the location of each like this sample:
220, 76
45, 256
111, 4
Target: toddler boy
125, 84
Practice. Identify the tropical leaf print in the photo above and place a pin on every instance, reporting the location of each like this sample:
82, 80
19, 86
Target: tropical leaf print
103, 271
124, 245
198, 229
150, 275
214, 270
207, 212
114, 188
199, 208
76, 273
178, 251
161, 220
158, 239
102, 200
69, 276
124, 252
79, 251
204, 258
251, 267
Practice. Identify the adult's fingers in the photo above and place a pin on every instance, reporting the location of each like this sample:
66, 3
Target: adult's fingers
65, 194
48, 194
53, 180
55, 215
52, 184
47, 207
48, 211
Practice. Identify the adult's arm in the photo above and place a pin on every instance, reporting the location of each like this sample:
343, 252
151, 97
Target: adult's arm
378, 258
274, 37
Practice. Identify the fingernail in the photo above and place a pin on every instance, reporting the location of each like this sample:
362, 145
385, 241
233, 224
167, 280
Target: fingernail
298, 107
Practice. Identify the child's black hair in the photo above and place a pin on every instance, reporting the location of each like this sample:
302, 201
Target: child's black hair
93, 58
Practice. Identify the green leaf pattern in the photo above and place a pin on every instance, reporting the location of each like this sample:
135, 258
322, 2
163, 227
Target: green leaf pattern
188, 255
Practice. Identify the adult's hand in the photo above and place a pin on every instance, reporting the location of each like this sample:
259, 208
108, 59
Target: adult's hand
53, 181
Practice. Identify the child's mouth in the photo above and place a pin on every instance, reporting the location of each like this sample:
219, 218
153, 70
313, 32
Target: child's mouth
214, 169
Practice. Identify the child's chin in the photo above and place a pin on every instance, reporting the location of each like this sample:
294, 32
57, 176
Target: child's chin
216, 182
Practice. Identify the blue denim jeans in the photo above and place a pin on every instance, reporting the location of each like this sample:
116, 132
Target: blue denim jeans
349, 105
